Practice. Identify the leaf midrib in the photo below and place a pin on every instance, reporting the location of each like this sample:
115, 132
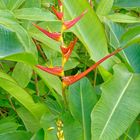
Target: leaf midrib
83, 114
114, 108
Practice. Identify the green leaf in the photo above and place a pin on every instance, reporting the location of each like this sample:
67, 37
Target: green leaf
72, 128
39, 135
18, 135
22, 73
90, 32
8, 125
14, 4
133, 131
30, 122
6, 14
118, 106
34, 14
53, 106
2, 5
132, 54
138, 138
131, 36
24, 57
119, 37
53, 82
17, 4
15, 40
82, 98
127, 3
123, 18
9, 43
33, 3
70, 64
48, 123
104, 7
24, 98
115, 32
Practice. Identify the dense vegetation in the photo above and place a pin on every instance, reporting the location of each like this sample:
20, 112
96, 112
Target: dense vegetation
69, 70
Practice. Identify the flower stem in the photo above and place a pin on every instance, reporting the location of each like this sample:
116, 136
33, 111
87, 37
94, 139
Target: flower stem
64, 96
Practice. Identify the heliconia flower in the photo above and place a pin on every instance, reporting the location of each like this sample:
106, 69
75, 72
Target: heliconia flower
59, 3
54, 70
58, 14
66, 52
55, 36
69, 24
68, 80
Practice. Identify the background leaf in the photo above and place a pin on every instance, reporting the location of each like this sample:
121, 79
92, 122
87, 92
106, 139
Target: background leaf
19, 135
123, 18
19, 42
118, 106
22, 73
24, 98
104, 7
8, 125
30, 122
91, 34
82, 98
34, 14
127, 3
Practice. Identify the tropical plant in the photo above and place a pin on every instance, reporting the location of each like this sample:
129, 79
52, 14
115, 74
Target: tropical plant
69, 70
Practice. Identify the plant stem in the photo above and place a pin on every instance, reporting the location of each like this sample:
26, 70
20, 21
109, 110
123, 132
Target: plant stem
64, 96
63, 45
36, 83
95, 77
90, 2
1, 114
12, 105
40, 50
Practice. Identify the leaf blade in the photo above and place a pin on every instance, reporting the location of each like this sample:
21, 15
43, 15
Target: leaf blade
119, 107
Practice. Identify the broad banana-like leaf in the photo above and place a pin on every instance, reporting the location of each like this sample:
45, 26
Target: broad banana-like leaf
22, 73
131, 36
34, 14
89, 30
15, 43
72, 128
2, 5
82, 98
118, 36
17, 135
8, 125
118, 106
127, 3
13, 4
123, 18
30, 122
104, 7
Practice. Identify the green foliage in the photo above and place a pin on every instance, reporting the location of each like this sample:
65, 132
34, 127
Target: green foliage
82, 98
36, 105
119, 98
